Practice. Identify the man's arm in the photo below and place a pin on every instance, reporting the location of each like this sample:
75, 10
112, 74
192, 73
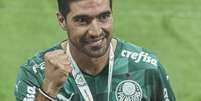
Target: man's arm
26, 85
167, 92
157, 86
56, 72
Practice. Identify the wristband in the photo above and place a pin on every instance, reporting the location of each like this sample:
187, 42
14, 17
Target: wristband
46, 95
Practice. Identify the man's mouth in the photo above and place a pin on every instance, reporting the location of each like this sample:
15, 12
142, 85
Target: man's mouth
97, 42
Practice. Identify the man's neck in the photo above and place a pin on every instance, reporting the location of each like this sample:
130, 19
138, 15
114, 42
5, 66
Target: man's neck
92, 66
89, 65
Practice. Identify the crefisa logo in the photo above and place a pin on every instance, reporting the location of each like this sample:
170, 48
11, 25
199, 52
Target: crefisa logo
128, 90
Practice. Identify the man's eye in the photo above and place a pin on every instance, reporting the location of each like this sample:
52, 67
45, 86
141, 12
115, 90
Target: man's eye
82, 20
104, 17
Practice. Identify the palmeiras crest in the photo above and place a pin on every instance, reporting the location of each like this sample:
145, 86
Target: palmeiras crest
128, 90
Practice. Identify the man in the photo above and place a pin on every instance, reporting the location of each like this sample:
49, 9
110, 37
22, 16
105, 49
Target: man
91, 65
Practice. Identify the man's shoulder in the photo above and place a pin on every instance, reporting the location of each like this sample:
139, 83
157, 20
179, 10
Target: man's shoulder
133, 47
135, 55
37, 61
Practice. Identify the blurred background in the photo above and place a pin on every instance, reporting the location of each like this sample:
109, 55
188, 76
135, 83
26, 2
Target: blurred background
170, 28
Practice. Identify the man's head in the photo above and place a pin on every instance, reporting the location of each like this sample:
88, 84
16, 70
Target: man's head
64, 8
89, 25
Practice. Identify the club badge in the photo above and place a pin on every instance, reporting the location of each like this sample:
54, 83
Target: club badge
128, 90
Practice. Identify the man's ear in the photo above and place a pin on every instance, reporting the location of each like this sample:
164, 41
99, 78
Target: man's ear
61, 20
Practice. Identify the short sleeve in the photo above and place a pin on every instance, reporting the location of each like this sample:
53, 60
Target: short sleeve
157, 85
26, 85
165, 86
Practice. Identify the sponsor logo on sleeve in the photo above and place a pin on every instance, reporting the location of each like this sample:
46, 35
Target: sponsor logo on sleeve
165, 94
128, 90
30, 96
40, 66
139, 56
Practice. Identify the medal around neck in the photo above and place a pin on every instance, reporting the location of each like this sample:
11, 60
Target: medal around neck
79, 77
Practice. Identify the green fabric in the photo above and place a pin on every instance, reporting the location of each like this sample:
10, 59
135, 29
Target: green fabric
137, 76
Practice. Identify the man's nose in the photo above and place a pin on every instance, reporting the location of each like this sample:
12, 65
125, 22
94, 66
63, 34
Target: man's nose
95, 29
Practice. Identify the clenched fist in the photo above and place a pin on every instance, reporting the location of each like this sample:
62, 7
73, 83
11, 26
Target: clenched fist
57, 69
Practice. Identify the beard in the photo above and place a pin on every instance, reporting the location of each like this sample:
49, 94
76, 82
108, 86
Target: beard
93, 47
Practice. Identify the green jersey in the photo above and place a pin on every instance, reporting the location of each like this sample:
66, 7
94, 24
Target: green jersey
137, 76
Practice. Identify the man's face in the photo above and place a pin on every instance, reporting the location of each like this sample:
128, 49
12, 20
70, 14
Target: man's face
89, 26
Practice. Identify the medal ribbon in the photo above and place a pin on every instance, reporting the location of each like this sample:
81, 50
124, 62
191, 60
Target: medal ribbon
80, 80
